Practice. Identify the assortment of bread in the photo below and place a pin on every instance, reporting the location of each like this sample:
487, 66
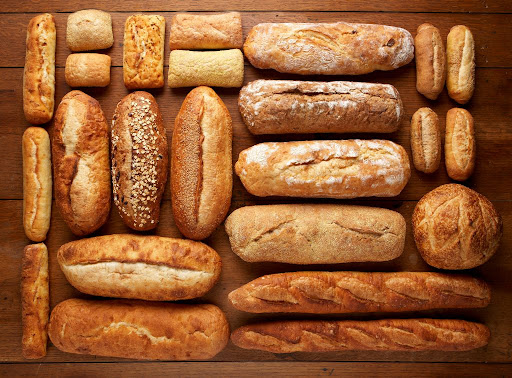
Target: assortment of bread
454, 227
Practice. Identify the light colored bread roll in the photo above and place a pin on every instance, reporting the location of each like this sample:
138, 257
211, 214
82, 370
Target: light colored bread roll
223, 68
88, 70
430, 61
37, 183
324, 169
89, 29
139, 330
460, 51
425, 140
315, 234
455, 227
459, 144
201, 167
39, 73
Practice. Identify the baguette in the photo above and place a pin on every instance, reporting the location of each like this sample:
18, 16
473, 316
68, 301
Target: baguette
89, 29
430, 61
139, 330
140, 267
37, 183
328, 48
325, 169
460, 144
35, 300
81, 163
88, 70
345, 292
286, 106
460, 51
315, 234
39, 73
410, 335
139, 160
425, 140
201, 171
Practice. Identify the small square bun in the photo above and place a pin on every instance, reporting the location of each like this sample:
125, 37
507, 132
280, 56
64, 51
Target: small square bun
89, 29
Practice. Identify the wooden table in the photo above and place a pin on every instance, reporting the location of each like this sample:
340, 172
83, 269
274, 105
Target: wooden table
491, 107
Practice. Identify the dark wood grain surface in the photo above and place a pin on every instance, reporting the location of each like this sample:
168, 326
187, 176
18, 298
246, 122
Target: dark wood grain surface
491, 107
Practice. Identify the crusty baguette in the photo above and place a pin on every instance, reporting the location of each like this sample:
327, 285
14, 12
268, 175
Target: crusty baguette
37, 183
411, 335
315, 234
35, 300
430, 61
139, 330
328, 48
209, 31
344, 292
287, 106
425, 140
460, 52
39, 73
88, 70
459, 144
140, 267
80, 152
89, 29
139, 160
324, 168
201, 167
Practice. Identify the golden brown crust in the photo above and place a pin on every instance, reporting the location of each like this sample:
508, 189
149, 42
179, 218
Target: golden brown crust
201, 172
88, 70
324, 168
35, 300
211, 31
425, 140
81, 162
384, 335
139, 160
139, 330
460, 144
456, 228
430, 59
140, 267
328, 48
143, 51
39, 73
315, 234
89, 29
37, 183
460, 52
288, 106
345, 292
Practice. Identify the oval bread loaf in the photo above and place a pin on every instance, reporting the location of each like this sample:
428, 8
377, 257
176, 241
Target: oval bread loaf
425, 140
430, 61
460, 53
459, 144
140, 267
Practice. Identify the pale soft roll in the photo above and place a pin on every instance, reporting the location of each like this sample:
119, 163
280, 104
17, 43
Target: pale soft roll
460, 52
88, 70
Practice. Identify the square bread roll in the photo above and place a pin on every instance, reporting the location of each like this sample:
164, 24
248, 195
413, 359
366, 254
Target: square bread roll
89, 29
88, 70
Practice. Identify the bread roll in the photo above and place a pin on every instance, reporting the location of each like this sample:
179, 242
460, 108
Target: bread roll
286, 106
143, 51
430, 61
81, 163
139, 160
140, 267
328, 48
88, 70
89, 29
39, 73
37, 183
456, 228
211, 68
139, 330
315, 234
460, 52
410, 335
425, 140
345, 292
325, 169
35, 300
201, 170
209, 31
459, 144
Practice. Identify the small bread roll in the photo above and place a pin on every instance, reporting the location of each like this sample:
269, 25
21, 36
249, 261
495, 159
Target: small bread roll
88, 70
89, 29
460, 50
430, 61
210, 68
460, 144
425, 140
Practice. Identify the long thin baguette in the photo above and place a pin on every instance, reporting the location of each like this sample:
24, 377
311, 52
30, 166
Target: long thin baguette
343, 292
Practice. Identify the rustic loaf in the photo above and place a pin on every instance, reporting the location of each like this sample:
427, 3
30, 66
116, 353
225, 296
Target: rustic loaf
460, 53
425, 140
459, 144
89, 29
430, 61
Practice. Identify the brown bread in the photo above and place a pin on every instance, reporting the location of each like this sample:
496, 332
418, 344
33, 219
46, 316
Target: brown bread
459, 144
425, 140
430, 61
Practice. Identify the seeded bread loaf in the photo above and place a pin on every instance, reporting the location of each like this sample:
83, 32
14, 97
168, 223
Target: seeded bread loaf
460, 53
430, 61
425, 140
459, 144
89, 29
139, 160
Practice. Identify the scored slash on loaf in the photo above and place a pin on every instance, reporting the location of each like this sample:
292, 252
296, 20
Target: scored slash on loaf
460, 144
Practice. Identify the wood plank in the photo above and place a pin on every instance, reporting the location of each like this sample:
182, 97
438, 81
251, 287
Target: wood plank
492, 32
236, 272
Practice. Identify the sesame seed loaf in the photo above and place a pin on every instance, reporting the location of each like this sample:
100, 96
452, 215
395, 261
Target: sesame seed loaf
89, 29
139, 160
